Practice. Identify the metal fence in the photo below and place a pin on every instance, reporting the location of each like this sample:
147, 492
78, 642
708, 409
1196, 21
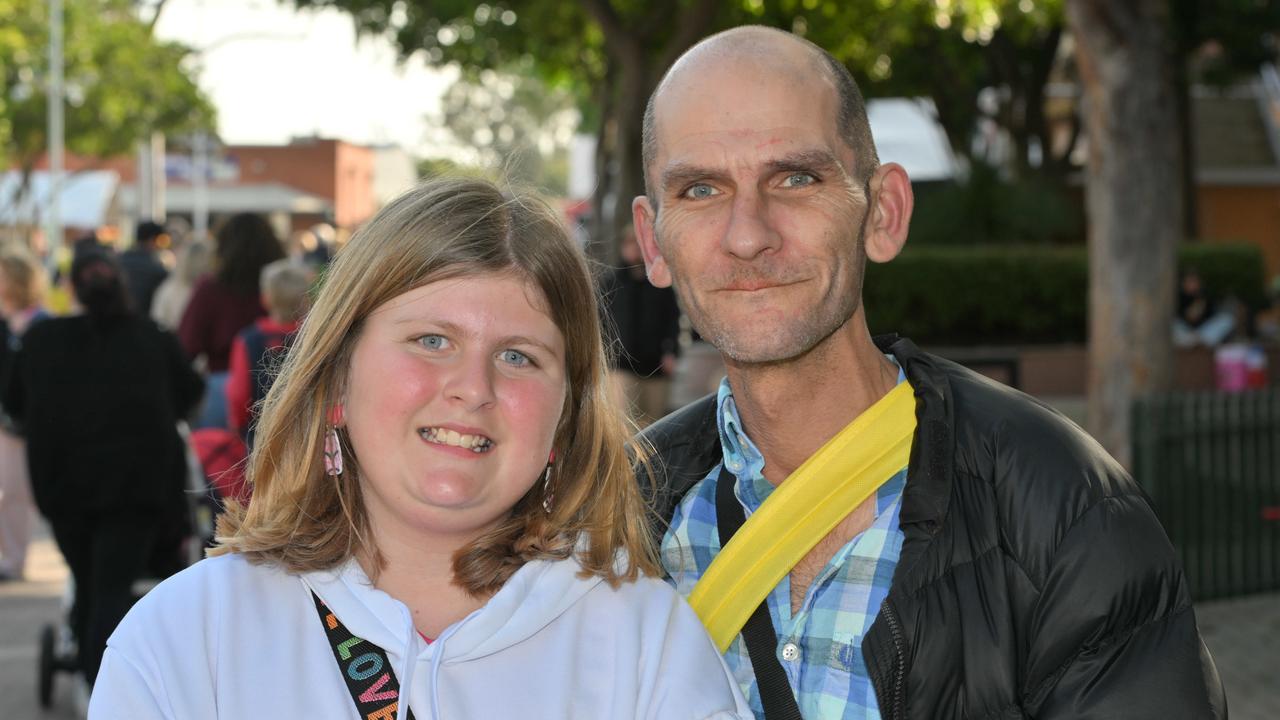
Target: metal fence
1211, 463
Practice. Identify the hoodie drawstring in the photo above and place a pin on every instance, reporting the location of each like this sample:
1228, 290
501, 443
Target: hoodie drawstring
437, 647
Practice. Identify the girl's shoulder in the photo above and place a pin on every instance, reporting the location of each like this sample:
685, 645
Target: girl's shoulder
204, 593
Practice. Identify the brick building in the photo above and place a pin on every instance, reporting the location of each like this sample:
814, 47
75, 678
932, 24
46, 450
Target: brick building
339, 172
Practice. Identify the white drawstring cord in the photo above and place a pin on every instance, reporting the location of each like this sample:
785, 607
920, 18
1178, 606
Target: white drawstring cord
437, 660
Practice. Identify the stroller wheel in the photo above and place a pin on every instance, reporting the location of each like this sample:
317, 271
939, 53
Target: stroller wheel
48, 663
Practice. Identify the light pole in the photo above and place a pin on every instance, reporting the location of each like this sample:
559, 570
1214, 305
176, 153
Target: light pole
53, 216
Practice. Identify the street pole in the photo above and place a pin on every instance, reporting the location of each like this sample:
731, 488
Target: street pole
200, 185
53, 217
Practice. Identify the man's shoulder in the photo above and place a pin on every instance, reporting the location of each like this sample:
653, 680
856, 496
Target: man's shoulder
679, 450
1042, 471
996, 425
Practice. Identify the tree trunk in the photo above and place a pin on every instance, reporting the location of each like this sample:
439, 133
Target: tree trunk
1134, 206
637, 64
634, 87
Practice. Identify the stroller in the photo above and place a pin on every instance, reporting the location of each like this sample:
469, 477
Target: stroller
57, 645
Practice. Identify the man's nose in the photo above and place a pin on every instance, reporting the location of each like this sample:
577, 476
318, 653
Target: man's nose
471, 382
750, 231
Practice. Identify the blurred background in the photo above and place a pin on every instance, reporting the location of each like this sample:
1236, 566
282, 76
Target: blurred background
1097, 213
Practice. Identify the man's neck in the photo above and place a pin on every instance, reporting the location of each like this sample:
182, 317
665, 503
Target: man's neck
792, 409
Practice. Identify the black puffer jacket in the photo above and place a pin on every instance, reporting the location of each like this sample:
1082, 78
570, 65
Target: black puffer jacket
1035, 580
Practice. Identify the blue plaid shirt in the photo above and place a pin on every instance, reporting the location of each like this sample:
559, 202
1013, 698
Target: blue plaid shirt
829, 675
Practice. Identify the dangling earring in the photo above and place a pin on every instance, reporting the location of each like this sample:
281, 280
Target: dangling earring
332, 446
548, 495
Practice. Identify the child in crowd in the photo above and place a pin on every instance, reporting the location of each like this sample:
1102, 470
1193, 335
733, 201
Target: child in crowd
256, 351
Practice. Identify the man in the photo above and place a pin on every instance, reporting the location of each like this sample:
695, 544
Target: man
143, 271
1011, 569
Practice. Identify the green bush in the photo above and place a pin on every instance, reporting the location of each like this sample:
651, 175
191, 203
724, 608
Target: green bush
1034, 210
995, 295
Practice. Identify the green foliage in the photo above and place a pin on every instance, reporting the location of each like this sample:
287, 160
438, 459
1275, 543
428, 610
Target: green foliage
994, 295
999, 211
514, 125
121, 84
566, 47
1228, 269
1237, 35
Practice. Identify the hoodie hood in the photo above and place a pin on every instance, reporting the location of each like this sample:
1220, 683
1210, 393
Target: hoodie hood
536, 594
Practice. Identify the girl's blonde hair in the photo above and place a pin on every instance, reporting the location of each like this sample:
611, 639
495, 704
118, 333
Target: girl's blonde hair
25, 281
305, 520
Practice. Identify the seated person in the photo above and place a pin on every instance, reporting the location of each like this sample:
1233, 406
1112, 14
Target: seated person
1200, 321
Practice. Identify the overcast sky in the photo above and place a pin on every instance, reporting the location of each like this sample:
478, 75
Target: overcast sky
275, 73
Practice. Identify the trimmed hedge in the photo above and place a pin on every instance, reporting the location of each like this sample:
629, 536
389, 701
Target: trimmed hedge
994, 295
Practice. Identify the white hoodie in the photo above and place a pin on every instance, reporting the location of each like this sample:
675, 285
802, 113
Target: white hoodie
230, 640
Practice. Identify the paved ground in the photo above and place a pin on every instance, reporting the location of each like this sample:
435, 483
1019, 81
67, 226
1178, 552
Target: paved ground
25, 607
1243, 635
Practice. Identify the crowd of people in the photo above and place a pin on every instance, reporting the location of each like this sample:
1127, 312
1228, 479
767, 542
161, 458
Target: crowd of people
449, 516
93, 402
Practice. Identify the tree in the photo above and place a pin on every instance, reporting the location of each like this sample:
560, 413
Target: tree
1002, 51
121, 83
1218, 42
609, 54
1134, 205
513, 124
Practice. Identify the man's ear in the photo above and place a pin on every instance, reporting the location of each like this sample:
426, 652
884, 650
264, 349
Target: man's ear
645, 219
891, 205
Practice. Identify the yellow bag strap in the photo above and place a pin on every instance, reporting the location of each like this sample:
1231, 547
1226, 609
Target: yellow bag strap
802, 510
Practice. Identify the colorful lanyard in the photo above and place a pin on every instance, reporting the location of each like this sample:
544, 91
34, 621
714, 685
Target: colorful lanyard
367, 669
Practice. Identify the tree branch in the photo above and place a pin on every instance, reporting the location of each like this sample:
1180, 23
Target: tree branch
692, 26
657, 17
155, 16
619, 43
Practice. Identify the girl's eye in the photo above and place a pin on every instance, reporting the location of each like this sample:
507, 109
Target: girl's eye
433, 342
515, 357
800, 179
701, 191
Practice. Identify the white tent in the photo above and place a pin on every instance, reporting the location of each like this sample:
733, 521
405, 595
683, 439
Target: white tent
84, 201
907, 132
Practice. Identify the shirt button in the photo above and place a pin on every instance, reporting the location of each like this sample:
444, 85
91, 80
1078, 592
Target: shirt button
790, 652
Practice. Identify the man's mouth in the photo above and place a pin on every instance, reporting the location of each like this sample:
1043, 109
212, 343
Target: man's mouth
444, 436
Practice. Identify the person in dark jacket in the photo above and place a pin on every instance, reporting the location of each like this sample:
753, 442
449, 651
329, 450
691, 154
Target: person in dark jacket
1004, 566
99, 395
226, 302
143, 271
647, 322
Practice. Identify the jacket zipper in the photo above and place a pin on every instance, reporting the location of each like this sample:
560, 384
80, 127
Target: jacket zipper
898, 711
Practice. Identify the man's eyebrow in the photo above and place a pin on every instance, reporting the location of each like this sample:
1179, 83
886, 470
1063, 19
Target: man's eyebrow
815, 160
677, 175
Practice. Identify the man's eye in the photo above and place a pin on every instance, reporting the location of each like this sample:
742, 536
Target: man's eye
515, 357
700, 191
433, 342
799, 179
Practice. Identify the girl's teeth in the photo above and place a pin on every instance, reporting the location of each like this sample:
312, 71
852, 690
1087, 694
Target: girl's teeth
444, 436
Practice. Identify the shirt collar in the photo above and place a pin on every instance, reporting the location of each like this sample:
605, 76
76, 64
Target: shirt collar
743, 458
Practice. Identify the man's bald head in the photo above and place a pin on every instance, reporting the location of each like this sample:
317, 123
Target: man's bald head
781, 52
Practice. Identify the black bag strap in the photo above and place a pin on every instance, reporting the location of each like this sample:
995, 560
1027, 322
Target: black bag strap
761, 639
367, 669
